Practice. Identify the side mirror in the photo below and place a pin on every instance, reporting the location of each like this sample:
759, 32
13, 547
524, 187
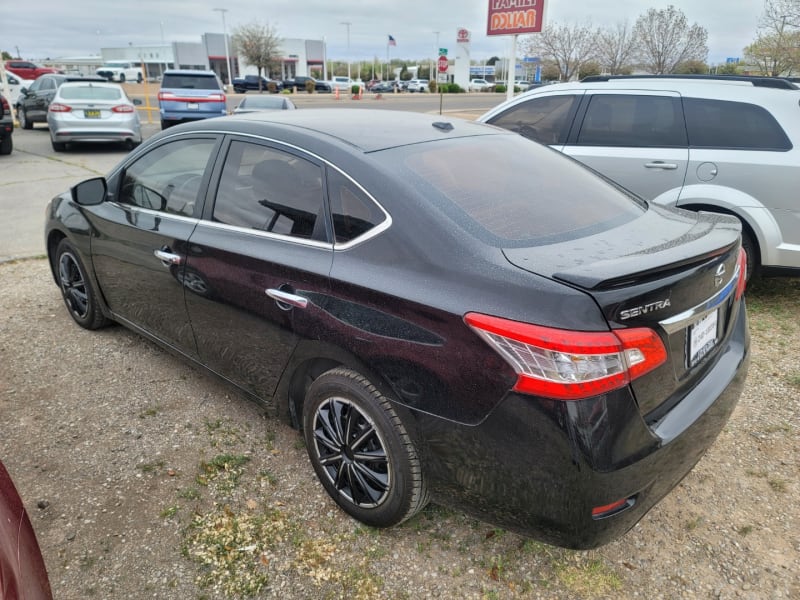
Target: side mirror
90, 192
23, 91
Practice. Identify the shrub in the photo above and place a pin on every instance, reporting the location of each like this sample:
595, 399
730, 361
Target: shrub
432, 86
355, 89
500, 88
272, 87
310, 86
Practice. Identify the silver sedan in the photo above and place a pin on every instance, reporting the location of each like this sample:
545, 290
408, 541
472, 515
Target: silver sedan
92, 111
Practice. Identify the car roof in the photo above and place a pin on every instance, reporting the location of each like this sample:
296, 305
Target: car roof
72, 82
369, 130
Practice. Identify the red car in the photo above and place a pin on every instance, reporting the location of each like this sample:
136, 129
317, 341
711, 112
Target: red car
23, 575
28, 70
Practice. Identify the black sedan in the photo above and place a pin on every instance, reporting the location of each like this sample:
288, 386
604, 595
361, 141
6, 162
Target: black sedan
553, 361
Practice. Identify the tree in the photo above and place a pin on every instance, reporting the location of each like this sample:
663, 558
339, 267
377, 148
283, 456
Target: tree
776, 54
664, 39
615, 49
776, 50
569, 46
259, 45
6, 56
692, 67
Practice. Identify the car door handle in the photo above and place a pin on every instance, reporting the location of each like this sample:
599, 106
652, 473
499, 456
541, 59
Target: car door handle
167, 257
661, 165
287, 300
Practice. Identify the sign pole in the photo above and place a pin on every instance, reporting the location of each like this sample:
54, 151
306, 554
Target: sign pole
512, 68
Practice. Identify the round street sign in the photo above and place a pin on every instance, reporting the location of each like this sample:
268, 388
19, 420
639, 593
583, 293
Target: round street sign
442, 64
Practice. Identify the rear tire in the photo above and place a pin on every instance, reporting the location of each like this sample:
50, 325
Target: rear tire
753, 256
58, 146
361, 451
23, 119
6, 146
122, 77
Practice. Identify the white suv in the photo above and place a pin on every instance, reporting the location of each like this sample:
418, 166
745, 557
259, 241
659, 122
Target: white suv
720, 144
120, 71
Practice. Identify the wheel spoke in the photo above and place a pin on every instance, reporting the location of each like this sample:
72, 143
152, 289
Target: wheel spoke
367, 493
377, 480
330, 429
358, 442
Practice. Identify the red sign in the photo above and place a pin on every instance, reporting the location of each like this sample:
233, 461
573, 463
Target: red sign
463, 36
512, 17
442, 64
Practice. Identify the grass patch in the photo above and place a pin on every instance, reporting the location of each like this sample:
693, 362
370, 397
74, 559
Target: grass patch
151, 467
588, 577
169, 512
745, 530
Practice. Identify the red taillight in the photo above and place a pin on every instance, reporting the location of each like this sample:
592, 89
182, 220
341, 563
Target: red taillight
166, 96
59, 108
216, 98
122, 108
599, 512
742, 268
570, 365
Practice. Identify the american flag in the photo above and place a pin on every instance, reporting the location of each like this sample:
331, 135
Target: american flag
392, 41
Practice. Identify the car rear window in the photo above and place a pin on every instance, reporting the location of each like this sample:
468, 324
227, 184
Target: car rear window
725, 124
190, 82
88, 92
511, 192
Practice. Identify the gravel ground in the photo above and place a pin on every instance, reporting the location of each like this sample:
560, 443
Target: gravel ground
148, 479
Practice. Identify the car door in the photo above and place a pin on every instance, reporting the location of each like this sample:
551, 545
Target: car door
139, 241
258, 263
39, 97
636, 138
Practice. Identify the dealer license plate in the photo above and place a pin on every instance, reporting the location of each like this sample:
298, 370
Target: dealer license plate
702, 337
91, 114
192, 105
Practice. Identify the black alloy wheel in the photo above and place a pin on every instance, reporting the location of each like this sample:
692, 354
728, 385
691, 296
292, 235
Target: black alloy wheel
361, 451
77, 290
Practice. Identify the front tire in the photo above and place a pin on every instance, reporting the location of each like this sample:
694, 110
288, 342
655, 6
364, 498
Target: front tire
76, 288
122, 77
361, 451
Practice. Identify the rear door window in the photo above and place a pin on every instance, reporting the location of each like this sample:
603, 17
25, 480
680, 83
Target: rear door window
724, 124
544, 119
269, 190
633, 120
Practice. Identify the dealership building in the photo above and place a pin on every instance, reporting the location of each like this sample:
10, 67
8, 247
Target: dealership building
297, 57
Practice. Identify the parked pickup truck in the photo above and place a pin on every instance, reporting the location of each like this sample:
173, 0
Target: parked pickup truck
120, 71
247, 83
27, 70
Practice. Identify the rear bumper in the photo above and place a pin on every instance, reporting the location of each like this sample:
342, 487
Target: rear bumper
539, 466
178, 111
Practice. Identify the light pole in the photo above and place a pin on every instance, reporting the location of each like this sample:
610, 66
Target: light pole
347, 24
435, 56
225, 37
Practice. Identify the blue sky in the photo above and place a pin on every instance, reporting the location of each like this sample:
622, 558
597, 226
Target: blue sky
82, 27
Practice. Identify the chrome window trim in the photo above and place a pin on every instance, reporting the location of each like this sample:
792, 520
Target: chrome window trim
156, 213
682, 320
265, 234
375, 231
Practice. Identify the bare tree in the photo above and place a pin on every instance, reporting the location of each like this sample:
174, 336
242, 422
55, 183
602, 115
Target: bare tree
615, 49
259, 45
664, 39
780, 14
568, 46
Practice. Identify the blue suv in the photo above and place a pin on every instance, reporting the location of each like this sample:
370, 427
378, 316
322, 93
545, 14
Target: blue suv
190, 96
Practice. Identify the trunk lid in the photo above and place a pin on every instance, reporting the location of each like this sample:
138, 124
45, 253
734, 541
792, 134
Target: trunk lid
672, 271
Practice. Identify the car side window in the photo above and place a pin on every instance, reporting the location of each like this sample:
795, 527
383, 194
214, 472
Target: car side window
725, 124
633, 120
269, 190
35, 85
545, 120
167, 178
352, 211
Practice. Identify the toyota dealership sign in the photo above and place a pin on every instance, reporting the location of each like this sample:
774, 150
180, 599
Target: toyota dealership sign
513, 17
